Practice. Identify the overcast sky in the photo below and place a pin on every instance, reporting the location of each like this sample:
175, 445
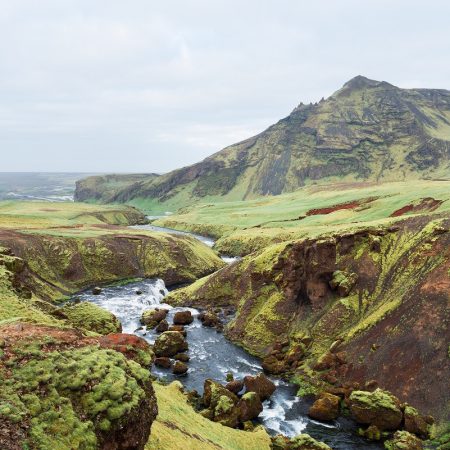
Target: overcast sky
149, 86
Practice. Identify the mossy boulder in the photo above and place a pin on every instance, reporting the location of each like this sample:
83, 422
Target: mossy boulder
212, 391
91, 317
402, 440
65, 391
152, 317
249, 406
415, 423
226, 412
325, 408
379, 408
183, 318
306, 442
169, 344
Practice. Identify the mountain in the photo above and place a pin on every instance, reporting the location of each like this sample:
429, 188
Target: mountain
366, 131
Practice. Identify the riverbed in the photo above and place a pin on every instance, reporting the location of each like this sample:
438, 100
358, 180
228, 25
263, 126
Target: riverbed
213, 356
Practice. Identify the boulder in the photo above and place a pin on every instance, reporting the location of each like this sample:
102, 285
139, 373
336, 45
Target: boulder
162, 326
235, 386
306, 442
179, 368
133, 347
225, 412
96, 290
402, 440
372, 433
183, 318
178, 328
379, 408
152, 317
415, 423
210, 319
183, 357
249, 406
213, 390
259, 384
163, 361
325, 408
169, 344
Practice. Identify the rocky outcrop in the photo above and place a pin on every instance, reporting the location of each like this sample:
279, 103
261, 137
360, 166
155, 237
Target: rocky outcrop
86, 393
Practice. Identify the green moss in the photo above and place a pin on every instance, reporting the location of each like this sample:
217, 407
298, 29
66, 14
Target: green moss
306, 441
91, 317
374, 400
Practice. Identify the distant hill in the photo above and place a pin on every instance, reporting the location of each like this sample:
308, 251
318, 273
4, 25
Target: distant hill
367, 130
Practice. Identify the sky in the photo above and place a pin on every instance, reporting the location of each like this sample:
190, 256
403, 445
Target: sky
146, 86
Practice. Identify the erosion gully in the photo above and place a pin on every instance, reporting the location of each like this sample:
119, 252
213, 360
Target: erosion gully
213, 356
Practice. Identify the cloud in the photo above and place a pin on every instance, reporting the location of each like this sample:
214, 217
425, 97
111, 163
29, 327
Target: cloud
149, 86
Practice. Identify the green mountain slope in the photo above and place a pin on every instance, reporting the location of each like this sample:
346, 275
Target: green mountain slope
368, 130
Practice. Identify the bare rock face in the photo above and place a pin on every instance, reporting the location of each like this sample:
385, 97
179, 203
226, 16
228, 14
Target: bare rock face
325, 408
259, 384
379, 408
169, 344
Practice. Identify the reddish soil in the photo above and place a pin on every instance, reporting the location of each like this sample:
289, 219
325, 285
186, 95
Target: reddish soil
426, 204
347, 205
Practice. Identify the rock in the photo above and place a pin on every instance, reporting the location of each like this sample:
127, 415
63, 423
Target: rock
403, 440
97, 290
178, 328
306, 442
325, 408
138, 292
179, 368
372, 433
379, 408
343, 282
210, 319
162, 326
183, 318
229, 377
213, 390
225, 412
415, 423
235, 386
133, 347
279, 442
184, 357
249, 406
152, 317
163, 361
169, 344
248, 426
271, 364
259, 384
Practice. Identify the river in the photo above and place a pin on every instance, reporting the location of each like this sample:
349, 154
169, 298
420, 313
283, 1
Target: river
213, 356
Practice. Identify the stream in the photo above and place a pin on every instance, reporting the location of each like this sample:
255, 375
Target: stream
213, 356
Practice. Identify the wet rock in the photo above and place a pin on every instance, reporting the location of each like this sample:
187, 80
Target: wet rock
210, 319
249, 406
184, 357
133, 347
379, 408
235, 386
259, 384
138, 292
169, 344
183, 318
178, 328
162, 326
179, 368
163, 361
415, 423
152, 317
97, 290
325, 408
403, 440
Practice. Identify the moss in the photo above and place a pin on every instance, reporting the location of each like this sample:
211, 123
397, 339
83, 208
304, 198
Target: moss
305, 441
403, 440
374, 400
224, 405
91, 317
68, 395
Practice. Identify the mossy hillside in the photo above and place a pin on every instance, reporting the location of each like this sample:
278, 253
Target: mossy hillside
71, 398
398, 277
246, 226
60, 265
91, 317
179, 427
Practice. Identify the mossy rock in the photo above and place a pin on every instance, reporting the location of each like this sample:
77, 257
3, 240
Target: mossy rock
91, 317
306, 442
403, 440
